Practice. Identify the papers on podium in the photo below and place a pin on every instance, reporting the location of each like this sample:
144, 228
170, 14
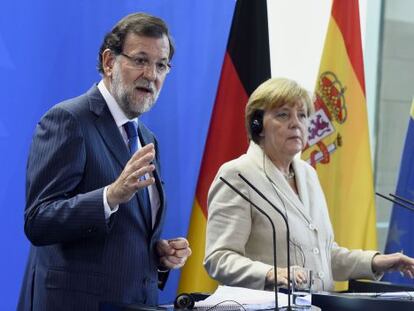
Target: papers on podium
238, 298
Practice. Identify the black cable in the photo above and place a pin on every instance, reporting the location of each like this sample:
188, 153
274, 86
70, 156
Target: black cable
239, 305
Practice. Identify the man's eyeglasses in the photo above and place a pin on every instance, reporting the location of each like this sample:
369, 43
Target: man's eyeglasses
142, 62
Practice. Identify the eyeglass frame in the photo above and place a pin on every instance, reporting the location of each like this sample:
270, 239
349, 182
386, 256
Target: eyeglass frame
136, 65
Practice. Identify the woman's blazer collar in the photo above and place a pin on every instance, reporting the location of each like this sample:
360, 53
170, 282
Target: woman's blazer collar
278, 182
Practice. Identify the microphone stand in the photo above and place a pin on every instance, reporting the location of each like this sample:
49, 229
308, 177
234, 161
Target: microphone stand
274, 237
287, 233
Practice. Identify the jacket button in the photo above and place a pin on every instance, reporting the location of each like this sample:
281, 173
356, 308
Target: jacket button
311, 227
315, 251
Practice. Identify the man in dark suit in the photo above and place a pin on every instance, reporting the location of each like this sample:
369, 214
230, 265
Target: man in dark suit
95, 205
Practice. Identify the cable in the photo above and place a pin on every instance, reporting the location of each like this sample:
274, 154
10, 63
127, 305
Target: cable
230, 307
275, 188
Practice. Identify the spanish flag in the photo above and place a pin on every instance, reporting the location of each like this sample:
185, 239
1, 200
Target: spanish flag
246, 65
338, 143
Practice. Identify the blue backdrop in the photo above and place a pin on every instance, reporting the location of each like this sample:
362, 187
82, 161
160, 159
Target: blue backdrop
48, 52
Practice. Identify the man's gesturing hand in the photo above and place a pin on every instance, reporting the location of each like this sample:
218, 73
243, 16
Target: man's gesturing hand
173, 253
128, 182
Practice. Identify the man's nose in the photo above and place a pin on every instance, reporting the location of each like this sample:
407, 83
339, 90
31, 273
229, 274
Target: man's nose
150, 72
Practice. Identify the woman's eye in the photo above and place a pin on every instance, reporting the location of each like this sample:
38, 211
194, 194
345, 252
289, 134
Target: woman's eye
282, 115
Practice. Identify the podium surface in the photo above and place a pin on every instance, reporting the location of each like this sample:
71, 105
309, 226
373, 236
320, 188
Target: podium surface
343, 302
348, 302
352, 300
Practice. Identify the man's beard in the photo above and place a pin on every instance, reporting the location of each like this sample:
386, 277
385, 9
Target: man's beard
124, 95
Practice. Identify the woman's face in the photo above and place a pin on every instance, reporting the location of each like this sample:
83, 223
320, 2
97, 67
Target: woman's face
284, 130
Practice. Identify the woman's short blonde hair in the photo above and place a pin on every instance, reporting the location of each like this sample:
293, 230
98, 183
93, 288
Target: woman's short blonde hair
274, 93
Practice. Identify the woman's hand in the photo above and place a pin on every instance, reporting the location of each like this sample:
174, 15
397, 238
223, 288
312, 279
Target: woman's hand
282, 278
393, 262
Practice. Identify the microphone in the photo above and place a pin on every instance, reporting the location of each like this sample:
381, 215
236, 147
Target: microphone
274, 238
402, 199
400, 202
287, 232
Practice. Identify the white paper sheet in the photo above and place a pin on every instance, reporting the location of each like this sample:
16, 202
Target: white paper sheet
232, 297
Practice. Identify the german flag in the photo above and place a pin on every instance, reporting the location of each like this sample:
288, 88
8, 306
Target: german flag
246, 65
338, 139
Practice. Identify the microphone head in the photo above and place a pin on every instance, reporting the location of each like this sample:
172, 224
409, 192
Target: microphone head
184, 301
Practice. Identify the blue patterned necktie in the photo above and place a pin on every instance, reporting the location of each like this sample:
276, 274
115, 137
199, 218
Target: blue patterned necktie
132, 133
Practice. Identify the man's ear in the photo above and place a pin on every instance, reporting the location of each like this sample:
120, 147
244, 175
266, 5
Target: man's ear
108, 60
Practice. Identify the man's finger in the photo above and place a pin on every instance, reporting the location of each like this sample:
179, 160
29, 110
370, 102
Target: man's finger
143, 151
137, 174
185, 252
162, 244
137, 163
179, 243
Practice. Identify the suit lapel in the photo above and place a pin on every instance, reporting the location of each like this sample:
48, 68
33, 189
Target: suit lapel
110, 134
161, 194
289, 196
146, 139
107, 128
279, 183
112, 137
301, 181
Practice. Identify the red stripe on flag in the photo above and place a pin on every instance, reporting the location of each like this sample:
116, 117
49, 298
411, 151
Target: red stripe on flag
342, 12
227, 137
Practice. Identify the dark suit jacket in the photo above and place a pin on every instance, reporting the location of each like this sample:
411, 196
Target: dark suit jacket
78, 258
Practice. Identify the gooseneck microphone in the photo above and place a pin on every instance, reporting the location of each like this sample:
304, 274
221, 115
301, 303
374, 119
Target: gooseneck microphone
397, 197
274, 237
400, 201
287, 232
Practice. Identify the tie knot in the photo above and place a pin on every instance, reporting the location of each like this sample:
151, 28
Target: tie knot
131, 129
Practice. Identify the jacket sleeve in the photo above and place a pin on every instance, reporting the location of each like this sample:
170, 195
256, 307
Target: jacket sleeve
352, 264
55, 210
228, 230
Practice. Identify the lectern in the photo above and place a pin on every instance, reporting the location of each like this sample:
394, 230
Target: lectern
347, 302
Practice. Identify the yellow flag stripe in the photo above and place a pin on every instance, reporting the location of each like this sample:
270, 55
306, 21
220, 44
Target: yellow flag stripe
194, 278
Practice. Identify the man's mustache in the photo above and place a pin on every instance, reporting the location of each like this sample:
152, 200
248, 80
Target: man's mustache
143, 83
